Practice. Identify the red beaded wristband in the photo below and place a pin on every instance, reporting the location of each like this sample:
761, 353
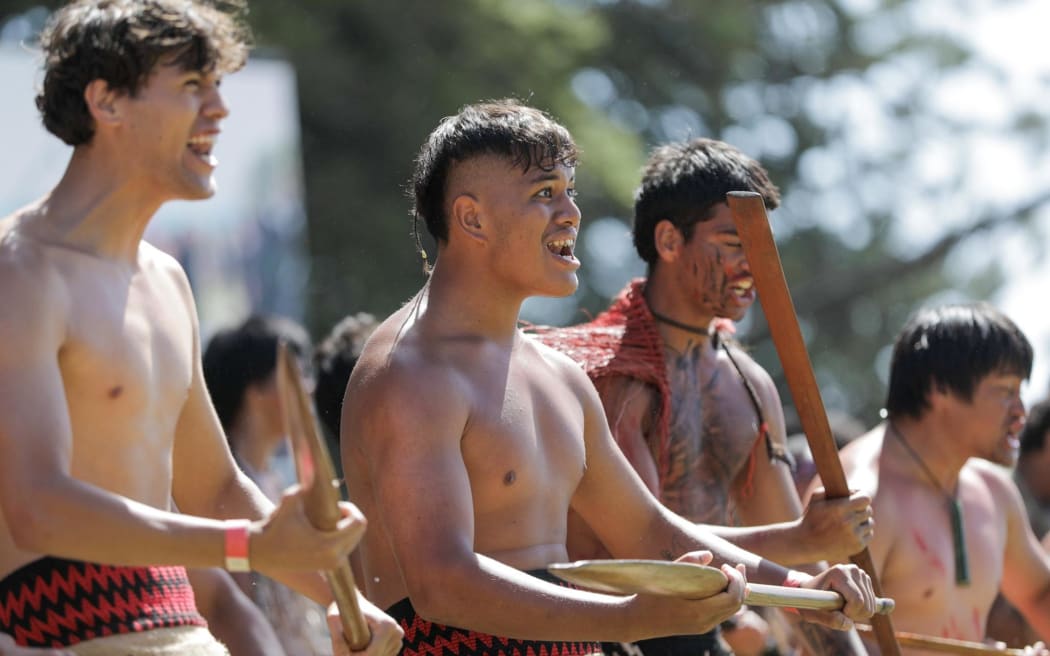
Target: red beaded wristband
237, 545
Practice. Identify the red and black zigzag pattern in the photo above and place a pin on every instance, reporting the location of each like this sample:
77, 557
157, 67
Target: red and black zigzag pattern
424, 638
54, 602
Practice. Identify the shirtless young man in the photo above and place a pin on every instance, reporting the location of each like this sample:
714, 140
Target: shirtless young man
697, 417
104, 417
953, 405
466, 442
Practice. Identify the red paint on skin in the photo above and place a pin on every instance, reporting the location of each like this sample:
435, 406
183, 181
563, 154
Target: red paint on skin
934, 560
977, 622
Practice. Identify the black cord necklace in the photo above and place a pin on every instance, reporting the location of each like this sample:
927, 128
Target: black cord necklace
678, 324
962, 565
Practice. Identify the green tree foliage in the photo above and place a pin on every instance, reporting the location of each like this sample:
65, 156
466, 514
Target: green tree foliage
844, 101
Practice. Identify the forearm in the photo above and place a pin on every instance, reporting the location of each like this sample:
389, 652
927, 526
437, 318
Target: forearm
675, 536
499, 600
778, 542
72, 519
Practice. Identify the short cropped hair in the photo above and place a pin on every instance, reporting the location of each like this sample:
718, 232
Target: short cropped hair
1033, 436
237, 358
526, 136
121, 42
334, 361
683, 181
951, 348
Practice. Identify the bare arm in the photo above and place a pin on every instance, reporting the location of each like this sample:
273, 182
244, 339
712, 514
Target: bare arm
408, 422
232, 617
774, 524
646, 529
1026, 565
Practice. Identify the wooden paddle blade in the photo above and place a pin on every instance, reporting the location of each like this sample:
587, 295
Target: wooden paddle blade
752, 224
317, 476
657, 577
946, 645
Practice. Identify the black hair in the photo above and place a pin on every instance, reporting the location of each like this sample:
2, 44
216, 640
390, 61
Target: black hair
951, 348
526, 136
237, 358
682, 182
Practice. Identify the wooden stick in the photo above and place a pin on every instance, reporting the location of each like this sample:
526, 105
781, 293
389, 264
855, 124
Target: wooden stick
317, 475
749, 215
945, 645
759, 594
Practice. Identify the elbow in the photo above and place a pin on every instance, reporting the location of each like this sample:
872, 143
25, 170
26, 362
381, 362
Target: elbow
31, 526
431, 589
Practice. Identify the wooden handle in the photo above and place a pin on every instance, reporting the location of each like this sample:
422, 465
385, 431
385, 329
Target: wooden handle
759, 594
321, 501
945, 645
752, 224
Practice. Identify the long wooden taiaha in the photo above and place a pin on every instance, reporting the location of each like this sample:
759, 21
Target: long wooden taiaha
316, 473
752, 224
947, 645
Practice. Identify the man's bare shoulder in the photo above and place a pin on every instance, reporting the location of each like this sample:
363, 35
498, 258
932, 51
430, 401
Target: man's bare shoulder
400, 368
996, 478
861, 461
31, 286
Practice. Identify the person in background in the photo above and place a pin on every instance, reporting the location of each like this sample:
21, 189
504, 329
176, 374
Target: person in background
240, 369
953, 415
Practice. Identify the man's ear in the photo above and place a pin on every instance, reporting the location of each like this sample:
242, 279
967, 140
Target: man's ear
465, 215
668, 240
102, 102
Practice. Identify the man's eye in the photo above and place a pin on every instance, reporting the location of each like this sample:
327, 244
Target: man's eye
546, 192
571, 192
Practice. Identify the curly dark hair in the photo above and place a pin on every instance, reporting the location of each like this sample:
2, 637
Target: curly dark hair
121, 41
683, 181
527, 136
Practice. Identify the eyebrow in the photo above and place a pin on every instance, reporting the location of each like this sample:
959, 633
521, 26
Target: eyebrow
544, 176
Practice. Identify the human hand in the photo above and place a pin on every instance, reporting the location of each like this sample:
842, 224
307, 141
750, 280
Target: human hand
666, 615
386, 634
8, 647
1037, 649
849, 581
287, 540
835, 529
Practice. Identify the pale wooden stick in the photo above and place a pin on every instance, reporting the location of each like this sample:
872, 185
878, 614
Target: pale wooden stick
321, 502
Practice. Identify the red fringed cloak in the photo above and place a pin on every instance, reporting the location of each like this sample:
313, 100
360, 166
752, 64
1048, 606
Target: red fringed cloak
624, 341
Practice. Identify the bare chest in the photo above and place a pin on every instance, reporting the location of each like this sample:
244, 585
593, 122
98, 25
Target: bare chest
713, 427
523, 448
920, 571
127, 359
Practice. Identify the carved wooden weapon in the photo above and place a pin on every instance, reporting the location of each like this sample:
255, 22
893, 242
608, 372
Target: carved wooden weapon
749, 215
946, 645
316, 473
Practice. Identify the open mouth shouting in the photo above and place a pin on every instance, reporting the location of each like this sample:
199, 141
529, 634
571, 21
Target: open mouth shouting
743, 288
201, 146
562, 249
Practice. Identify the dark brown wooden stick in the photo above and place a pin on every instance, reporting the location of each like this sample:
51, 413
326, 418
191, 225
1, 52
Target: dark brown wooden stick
317, 475
946, 645
752, 224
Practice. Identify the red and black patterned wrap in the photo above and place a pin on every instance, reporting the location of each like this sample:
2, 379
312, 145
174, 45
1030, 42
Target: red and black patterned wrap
52, 602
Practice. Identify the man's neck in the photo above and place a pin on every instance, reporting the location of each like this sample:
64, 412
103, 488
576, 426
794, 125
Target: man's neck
679, 325
919, 444
97, 210
460, 301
